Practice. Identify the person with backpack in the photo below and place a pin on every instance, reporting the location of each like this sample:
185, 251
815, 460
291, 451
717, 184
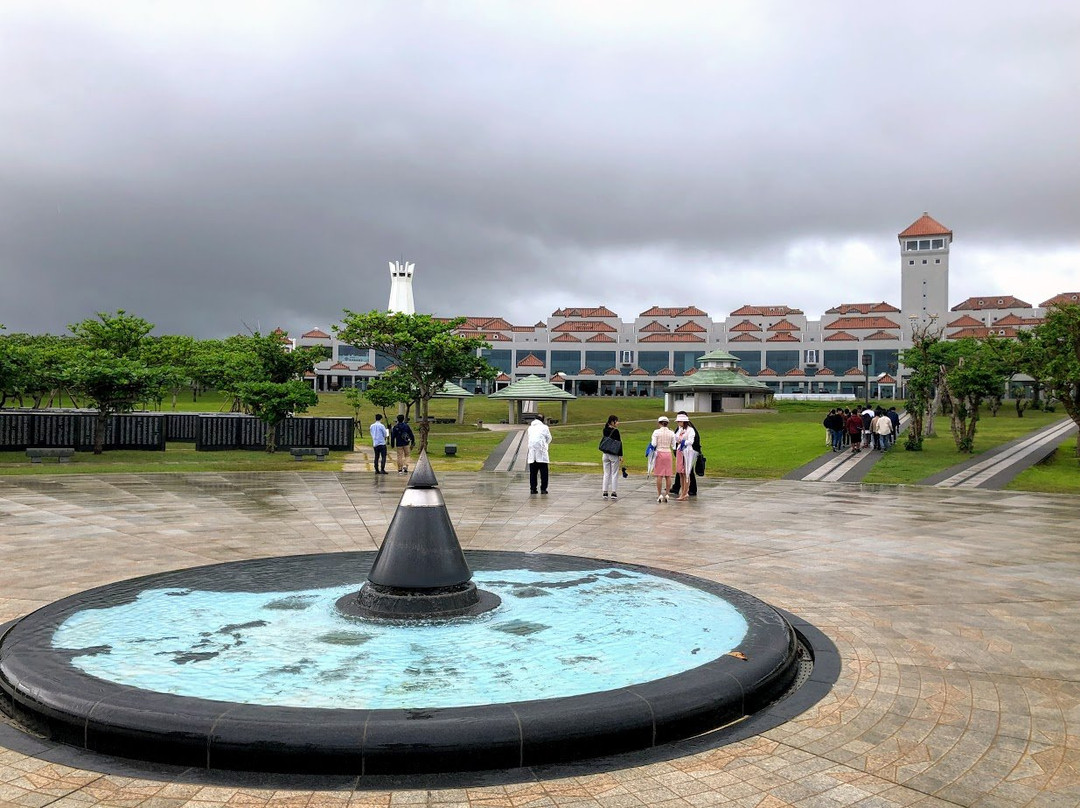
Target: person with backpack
401, 438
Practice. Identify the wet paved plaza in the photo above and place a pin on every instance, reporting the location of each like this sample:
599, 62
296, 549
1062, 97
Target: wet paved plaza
955, 614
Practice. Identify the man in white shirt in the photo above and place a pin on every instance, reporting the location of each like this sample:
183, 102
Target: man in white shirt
539, 436
379, 434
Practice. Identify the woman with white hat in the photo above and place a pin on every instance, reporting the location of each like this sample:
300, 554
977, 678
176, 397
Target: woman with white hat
663, 439
685, 454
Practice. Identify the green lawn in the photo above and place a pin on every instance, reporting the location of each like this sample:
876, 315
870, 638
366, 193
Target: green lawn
898, 466
763, 444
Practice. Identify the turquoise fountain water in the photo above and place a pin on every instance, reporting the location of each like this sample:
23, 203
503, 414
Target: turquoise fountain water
555, 634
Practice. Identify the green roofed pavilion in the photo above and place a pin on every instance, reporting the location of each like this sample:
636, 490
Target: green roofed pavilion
716, 386
451, 390
532, 389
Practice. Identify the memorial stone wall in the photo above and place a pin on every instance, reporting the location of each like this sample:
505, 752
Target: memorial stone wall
25, 429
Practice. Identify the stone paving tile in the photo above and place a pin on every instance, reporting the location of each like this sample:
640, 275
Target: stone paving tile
954, 615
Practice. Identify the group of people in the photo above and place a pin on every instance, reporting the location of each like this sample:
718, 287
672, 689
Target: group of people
400, 437
672, 457
872, 428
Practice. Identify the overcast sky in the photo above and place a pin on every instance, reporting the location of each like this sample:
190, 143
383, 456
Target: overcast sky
212, 166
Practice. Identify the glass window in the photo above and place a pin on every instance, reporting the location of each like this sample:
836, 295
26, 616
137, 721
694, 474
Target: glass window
568, 362
924, 244
652, 361
883, 360
937, 243
349, 353
684, 360
841, 361
811, 357
750, 361
782, 361
600, 360
912, 245
501, 359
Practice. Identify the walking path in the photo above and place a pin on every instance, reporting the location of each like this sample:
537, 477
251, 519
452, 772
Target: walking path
842, 467
995, 468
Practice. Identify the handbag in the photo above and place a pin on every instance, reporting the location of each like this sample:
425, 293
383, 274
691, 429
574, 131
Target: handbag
608, 445
699, 466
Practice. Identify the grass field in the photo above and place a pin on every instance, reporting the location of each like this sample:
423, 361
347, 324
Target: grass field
764, 444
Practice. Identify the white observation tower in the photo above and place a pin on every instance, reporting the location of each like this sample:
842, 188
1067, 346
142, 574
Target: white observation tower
401, 288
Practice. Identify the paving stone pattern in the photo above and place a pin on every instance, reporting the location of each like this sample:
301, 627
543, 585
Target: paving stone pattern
955, 614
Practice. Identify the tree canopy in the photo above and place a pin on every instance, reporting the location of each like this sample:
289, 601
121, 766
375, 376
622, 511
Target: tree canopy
426, 351
1050, 354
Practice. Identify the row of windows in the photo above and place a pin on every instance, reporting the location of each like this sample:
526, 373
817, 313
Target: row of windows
925, 244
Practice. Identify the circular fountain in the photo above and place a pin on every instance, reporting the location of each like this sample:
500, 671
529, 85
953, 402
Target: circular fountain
284, 664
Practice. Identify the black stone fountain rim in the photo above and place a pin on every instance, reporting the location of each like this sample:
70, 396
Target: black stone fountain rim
40, 689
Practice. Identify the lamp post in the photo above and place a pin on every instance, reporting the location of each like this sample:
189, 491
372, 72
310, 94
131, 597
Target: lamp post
866, 360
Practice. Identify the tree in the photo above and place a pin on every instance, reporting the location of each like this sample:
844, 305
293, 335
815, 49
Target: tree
923, 390
425, 350
273, 402
1050, 354
107, 366
970, 372
391, 388
175, 355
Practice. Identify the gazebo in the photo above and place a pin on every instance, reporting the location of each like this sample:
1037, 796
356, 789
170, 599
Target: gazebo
532, 388
716, 386
451, 390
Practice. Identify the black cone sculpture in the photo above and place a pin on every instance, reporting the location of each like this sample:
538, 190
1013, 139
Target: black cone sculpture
420, 571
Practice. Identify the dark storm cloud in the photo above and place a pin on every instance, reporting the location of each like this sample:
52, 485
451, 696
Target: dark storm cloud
211, 165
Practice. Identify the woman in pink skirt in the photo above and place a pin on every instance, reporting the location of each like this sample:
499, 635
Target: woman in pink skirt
663, 439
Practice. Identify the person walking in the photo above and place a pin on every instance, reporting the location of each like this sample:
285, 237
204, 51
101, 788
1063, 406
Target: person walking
662, 441
611, 451
834, 422
882, 430
676, 486
685, 455
379, 436
539, 437
402, 439
854, 428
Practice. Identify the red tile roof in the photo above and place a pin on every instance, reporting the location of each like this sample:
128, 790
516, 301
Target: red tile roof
1012, 319
745, 325
783, 325
339, 366
783, 336
502, 377
767, 372
745, 338
639, 372
826, 372
853, 372
690, 372
1064, 298
613, 372
653, 327
366, 366
601, 338
926, 226
578, 325
525, 328
530, 361
991, 302
765, 311
881, 335
979, 333
691, 326
840, 336
600, 311
860, 323
795, 372
665, 372
586, 372
965, 320
566, 338
672, 338
315, 334
689, 311
886, 379
863, 308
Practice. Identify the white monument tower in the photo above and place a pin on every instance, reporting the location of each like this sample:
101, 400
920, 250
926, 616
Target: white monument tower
401, 288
